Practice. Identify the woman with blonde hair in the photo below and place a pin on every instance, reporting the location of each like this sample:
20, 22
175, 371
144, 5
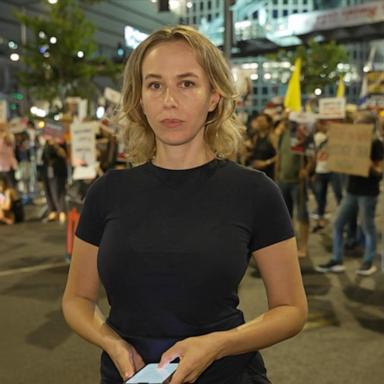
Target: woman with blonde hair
171, 238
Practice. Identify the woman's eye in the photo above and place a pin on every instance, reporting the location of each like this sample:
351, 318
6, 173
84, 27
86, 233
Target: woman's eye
154, 85
188, 84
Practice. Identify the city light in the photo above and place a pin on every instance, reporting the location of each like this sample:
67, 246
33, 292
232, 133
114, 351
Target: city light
12, 44
53, 40
80, 54
366, 68
249, 65
254, 76
267, 76
38, 111
14, 57
317, 92
42, 35
52, 2
189, 4
100, 112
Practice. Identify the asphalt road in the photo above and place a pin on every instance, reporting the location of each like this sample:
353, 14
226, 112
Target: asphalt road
342, 343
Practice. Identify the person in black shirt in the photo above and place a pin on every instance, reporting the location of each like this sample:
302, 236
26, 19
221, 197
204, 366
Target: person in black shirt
262, 154
361, 196
54, 173
170, 239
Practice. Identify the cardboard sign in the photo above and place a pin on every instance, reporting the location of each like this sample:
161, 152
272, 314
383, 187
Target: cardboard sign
349, 148
332, 108
83, 143
3, 111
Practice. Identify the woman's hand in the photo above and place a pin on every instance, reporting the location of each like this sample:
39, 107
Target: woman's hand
125, 357
196, 354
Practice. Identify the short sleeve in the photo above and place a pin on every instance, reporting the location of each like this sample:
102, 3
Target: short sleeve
272, 222
92, 218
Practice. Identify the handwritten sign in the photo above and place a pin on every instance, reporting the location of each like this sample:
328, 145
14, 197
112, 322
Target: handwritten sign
83, 143
349, 148
332, 108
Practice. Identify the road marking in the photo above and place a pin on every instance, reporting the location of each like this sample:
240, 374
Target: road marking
32, 269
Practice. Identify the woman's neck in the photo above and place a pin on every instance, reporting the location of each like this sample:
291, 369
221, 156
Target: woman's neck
180, 158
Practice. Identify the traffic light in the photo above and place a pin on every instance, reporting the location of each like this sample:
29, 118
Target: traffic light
120, 53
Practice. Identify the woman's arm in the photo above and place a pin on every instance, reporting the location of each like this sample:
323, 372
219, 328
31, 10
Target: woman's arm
84, 316
287, 304
285, 317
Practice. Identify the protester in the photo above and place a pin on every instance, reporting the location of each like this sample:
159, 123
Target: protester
292, 173
8, 162
8, 199
362, 195
323, 176
183, 223
55, 178
262, 155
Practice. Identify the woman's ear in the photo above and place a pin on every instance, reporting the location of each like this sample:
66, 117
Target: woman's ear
214, 100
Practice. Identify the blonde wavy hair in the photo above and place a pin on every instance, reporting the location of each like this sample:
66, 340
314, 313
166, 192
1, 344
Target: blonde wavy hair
223, 130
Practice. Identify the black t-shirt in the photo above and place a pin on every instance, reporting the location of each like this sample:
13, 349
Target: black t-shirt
173, 248
368, 186
264, 150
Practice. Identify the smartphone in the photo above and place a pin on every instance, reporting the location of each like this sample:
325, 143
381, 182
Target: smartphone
152, 374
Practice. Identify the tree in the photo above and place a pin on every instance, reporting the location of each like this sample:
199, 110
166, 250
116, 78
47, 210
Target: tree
319, 63
62, 60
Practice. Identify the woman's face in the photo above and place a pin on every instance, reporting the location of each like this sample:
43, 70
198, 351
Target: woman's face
176, 94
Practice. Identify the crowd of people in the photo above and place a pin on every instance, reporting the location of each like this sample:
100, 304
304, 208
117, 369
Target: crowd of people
32, 165
269, 149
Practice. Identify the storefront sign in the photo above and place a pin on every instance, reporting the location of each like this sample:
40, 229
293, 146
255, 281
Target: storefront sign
375, 82
349, 148
303, 23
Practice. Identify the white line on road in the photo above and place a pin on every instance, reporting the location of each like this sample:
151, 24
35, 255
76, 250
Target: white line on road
32, 269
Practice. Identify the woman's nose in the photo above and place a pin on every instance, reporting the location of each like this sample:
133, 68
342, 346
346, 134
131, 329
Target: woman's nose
169, 98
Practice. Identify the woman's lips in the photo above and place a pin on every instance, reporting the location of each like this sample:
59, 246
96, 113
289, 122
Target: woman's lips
172, 123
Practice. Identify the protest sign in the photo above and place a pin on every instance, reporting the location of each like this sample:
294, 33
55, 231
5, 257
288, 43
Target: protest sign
332, 108
349, 148
54, 130
83, 143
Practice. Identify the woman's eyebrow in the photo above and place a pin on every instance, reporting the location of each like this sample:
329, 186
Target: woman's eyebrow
180, 76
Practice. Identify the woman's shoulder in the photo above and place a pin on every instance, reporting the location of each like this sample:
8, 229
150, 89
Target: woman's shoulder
246, 173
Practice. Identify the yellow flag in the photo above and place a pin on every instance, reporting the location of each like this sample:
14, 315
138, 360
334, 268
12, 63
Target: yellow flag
340, 87
292, 98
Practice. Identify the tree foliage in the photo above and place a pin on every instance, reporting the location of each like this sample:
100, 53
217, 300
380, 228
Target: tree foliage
319, 63
53, 69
